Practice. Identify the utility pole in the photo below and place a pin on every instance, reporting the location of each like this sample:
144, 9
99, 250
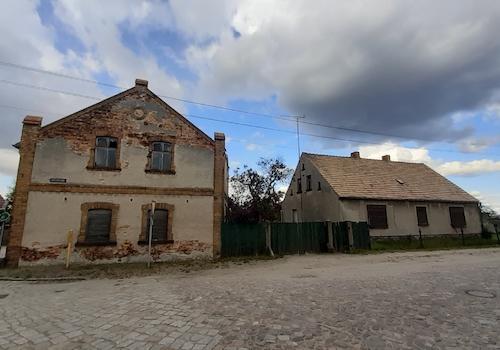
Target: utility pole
299, 223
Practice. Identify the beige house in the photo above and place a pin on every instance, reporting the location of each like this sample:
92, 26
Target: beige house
96, 173
395, 198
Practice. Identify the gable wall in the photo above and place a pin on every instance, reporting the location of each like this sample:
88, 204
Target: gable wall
64, 149
316, 205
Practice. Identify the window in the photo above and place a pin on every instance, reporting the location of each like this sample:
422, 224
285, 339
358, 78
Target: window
98, 223
161, 156
319, 185
308, 183
105, 152
422, 216
377, 216
303, 167
299, 185
160, 225
457, 217
98, 226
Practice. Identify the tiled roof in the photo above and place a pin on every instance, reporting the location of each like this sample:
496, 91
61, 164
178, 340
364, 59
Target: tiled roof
380, 179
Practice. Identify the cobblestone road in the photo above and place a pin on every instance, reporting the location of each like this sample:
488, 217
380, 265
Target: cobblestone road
386, 301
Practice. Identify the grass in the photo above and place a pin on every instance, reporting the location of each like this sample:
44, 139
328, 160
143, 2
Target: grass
433, 243
123, 270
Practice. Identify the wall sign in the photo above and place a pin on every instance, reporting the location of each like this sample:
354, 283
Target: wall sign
57, 180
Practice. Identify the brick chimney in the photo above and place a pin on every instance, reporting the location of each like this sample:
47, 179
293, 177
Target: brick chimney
355, 155
387, 158
220, 174
141, 83
29, 137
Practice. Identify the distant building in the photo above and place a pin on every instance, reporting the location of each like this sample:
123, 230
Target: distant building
395, 198
97, 171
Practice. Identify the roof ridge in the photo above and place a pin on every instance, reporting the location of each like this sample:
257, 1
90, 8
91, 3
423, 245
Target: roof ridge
357, 159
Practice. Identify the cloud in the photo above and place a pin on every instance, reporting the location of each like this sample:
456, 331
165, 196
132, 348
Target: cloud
9, 159
471, 168
384, 66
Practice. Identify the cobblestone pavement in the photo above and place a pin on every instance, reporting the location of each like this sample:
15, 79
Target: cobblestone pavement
385, 301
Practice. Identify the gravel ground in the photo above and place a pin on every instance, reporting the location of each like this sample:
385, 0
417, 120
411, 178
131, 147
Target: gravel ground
414, 300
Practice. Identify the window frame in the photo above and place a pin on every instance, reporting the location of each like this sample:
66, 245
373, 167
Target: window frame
299, 185
385, 224
85, 208
420, 222
143, 237
462, 213
149, 163
308, 183
92, 159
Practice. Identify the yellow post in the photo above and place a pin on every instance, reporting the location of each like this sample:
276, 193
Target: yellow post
68, 249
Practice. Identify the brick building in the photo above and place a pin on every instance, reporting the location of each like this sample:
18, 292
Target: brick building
97, 171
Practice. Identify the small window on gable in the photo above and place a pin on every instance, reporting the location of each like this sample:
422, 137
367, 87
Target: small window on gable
457, 217
299, 185
161, 156
377, 216
308, 183
422, 216
319, 185
98, 226
106, 152
303, 167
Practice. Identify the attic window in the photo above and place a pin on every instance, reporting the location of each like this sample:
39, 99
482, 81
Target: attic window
303, 166
401, 182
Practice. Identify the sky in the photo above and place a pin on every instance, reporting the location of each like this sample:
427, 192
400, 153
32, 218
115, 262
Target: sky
417, 80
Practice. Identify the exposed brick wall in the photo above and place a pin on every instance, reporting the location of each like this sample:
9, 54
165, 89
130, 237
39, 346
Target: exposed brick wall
29, 137
219, 192
136, 117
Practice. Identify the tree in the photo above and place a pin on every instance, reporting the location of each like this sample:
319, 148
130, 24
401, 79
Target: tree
9, 198
254, 194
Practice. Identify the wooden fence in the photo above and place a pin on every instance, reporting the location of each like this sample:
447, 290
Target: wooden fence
293, 238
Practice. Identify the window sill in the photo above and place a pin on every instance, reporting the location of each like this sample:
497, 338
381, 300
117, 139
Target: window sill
103, 169
168, 241
160, 172
423, 225
95, 244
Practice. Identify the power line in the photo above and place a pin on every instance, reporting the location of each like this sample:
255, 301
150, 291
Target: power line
61, 75
287, 118
281, 131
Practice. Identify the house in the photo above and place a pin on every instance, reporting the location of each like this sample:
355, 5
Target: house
395, 198
97, 172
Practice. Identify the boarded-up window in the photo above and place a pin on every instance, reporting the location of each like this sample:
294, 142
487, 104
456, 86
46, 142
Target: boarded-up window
98, 225
422, 216
160, 225
161, 156
308, 183
299, 185
377, 216
457, 217
105, 152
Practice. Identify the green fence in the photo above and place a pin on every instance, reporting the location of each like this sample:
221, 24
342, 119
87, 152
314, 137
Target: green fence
292, 238
243, 239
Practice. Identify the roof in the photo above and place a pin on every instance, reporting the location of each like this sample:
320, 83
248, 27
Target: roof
384, 179
139, 84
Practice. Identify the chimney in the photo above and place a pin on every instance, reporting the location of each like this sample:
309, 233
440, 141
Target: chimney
387, 158
141, 82
220, 181
355, 155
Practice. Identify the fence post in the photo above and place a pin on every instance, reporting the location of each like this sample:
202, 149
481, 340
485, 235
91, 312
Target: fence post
330, 244
462, 233
350, 234
268, 238
496, 231
420, 237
